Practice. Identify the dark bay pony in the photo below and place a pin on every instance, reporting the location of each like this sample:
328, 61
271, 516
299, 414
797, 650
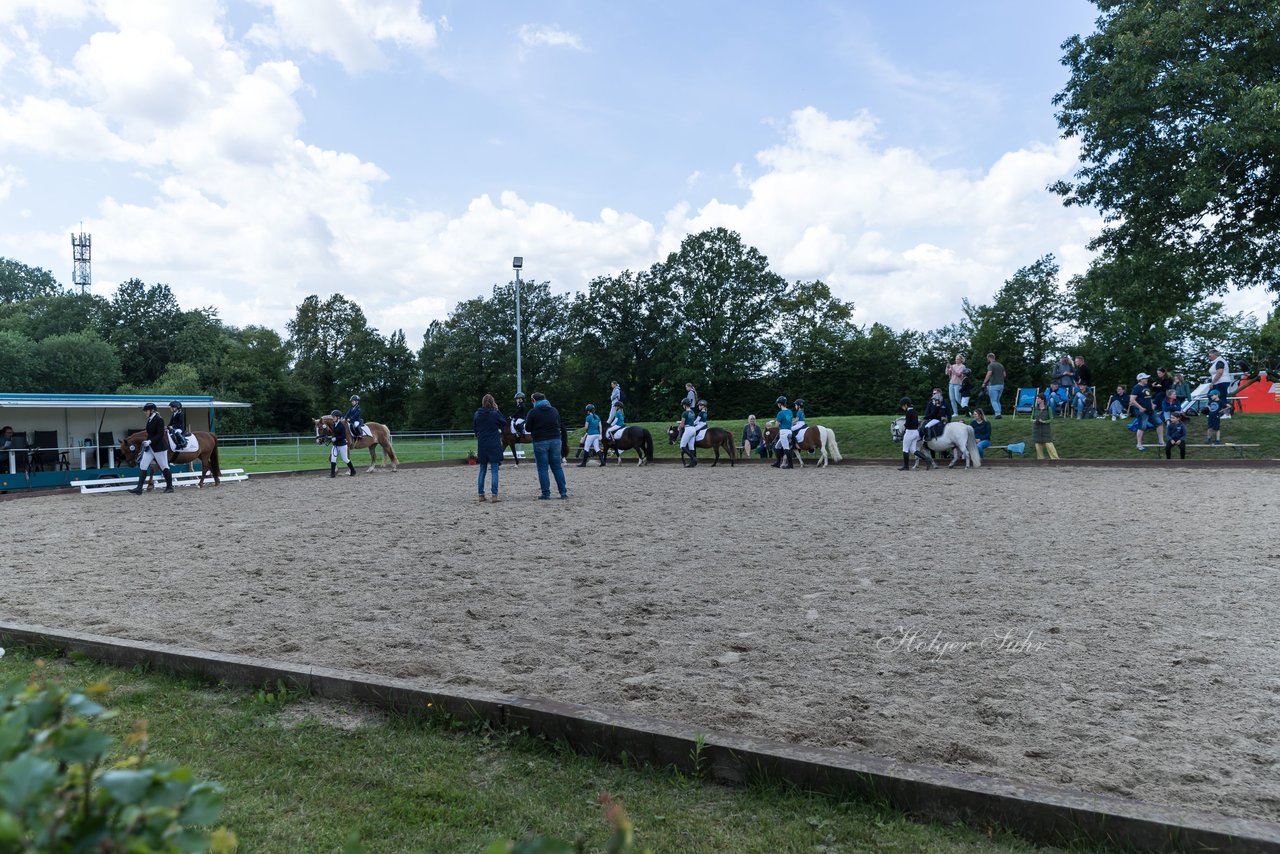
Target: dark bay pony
377, 436
635, 439
206, 454
510, 440
714, 437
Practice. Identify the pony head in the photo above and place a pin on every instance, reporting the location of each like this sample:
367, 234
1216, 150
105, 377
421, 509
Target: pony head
896, 429
324, 428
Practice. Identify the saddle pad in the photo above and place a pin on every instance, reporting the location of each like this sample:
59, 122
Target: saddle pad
191, 447
700, 434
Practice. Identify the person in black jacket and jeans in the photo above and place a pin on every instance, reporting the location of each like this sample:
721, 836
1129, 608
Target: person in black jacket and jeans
543, 424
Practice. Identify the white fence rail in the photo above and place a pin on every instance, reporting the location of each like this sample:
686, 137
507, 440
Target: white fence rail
299, 447
180, 478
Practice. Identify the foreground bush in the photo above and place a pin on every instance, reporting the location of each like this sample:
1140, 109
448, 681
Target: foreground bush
59, 793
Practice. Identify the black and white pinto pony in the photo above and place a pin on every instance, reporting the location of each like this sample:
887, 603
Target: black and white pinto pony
956, 437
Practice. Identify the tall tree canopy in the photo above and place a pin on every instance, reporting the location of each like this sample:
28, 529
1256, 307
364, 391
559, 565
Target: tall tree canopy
1176, 105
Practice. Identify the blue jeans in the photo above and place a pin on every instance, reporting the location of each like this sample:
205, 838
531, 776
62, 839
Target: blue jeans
953, 389
547, 454
983, 444
494, 480
994, 392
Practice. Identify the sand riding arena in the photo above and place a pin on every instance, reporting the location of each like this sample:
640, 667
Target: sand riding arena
1111, 630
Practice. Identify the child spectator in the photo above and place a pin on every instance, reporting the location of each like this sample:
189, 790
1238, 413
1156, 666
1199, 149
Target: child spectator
1042, 430
1213, 419
1118, 403
1175, 436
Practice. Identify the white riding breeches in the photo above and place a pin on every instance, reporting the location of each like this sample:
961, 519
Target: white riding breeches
591, 444
339, 452
614, 432
689, 436
910, 441
149, 455
784, 440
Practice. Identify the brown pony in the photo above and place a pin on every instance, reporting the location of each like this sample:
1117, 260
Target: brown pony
510, 440
206, 454
378, 436
714, 437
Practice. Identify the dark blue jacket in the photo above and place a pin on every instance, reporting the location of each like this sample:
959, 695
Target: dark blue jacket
981, 430
339, 433
488, 424
543, 422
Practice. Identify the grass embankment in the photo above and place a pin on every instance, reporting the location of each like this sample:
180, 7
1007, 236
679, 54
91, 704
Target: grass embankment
302, 775
859, 436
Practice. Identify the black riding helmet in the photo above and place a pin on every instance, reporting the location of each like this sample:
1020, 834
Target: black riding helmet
591, 407
519, 395
782, 399
148, 407
173, 404
335, 414
906, 401
702, 403
800, 401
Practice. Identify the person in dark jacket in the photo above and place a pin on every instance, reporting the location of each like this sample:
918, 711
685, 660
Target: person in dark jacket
154, 449
981, 431
543, 425
341, 446
522, 412
911, 436
177, 425
1175, 436
487, 424
355, 418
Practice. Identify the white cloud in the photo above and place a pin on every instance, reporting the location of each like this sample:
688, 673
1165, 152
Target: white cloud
548, 36
350, 31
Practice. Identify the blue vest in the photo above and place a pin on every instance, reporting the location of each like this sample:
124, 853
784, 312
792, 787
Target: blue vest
593, 424
784, 419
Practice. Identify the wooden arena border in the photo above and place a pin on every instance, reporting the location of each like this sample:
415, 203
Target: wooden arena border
1038, 813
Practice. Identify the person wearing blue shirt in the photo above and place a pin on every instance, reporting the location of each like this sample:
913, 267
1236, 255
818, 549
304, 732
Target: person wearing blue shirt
783, 447
1140, 400
689, 435
1213, 419
981, 431
797, 423
1176, 437
617, 421
591, 442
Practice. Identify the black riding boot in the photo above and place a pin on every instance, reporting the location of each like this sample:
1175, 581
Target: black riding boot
906, 463
790, 459
168, 481
604, 455
333, 469
584, 457
926, 459
777, 463
142, 479
351, 470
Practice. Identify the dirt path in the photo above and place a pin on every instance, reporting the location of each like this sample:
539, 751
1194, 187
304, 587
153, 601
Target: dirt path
1109, 630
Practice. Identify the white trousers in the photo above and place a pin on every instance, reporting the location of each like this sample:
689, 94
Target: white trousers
591, 444
687, 439
339, 452
910, 441
614, 432
784, 440
149, 455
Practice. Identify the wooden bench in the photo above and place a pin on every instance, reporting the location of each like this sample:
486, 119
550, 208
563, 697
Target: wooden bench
1019, 449
1235, 446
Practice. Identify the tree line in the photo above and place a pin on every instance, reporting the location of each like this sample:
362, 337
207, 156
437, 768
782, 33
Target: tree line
712, 313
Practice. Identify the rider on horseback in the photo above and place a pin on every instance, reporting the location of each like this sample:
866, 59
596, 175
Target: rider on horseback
935, 413
517, 420
591, 442
690, 435
617, 422
783, 446
798, 425
911, 436
354, 418
700, 419
177, 426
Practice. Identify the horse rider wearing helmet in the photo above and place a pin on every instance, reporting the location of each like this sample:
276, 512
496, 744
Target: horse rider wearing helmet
517, 420
591, 442
934, 414
783, 447
700, 418
689, 420
911, 435
798, 425
617, 422
340, 447
177, 426
355, 418
154, 449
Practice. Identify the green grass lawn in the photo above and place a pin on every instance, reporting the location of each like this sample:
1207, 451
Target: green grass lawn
859, 436
303, 775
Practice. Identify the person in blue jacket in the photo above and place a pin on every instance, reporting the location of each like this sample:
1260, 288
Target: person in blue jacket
1213, 419
487, 424
689, 434
591, 441
798, 423
340, 446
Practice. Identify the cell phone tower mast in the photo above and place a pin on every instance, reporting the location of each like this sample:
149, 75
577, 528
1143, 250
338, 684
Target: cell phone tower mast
81, 274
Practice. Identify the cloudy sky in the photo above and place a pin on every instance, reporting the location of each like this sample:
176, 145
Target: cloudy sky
251, 152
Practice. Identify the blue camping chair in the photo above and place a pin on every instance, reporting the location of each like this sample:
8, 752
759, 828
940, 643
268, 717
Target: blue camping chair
1026, 401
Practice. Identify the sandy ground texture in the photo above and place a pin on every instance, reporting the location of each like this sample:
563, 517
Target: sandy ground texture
1112, 630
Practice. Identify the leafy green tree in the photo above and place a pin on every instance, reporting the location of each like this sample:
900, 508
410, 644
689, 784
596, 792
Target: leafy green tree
177, 380
1174, 105
140, 323
17, 362
79, 363
58, 314
335, 351
255, 369
19, 283
1027, 324
883, 365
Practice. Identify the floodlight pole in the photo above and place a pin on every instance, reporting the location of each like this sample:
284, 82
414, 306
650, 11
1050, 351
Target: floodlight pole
516, 263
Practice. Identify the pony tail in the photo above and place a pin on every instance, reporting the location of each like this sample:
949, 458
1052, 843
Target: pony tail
213, 462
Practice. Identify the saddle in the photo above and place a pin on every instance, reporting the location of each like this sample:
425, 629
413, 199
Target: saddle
928, 434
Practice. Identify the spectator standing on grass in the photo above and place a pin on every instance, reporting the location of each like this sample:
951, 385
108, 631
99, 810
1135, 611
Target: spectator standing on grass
966, 390
1118, 404
1084, 377
616, 399
487, 424
1064, 373
690, 395
1042, 429
1219, 376
1213, 419
981, 431
1181, 387
1140, 400
993, 382
955, 379
1176, 437
543, 425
